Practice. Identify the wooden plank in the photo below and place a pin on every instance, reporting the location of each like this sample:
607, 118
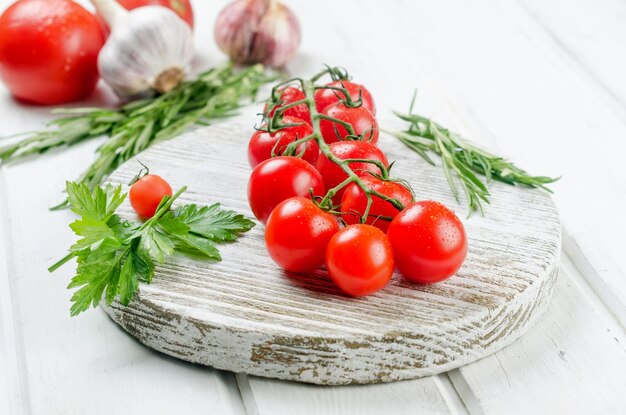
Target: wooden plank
374, 69
576, 348
391, 74
535, 378
10, 398
78, 364
85, 364
586, 37
243, 314
590, 34
420, 396
535, 107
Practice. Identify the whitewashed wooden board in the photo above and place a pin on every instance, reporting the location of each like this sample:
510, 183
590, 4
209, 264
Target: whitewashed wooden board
246, 315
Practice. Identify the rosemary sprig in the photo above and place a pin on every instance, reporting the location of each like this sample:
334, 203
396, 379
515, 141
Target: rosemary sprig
214, 94
463, 160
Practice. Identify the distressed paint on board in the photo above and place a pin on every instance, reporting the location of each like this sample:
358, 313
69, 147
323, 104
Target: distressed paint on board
246, 315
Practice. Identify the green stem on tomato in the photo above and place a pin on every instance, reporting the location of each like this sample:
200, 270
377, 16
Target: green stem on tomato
274, 123
163, 208
308, 87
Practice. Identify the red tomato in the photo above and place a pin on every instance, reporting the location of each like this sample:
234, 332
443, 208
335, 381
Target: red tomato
428, 241
287, 96
359, 259
280, 178
146, 194
334, 175
49, 51
360, 118
181, 7
354, 202
297, 234
262, 143
326, 97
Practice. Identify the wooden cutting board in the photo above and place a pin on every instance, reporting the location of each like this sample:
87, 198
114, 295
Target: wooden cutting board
245, 314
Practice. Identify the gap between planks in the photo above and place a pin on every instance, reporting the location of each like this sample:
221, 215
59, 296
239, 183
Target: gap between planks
581, 281
464, 116
566, 53
592, 303
453, 386
539, 34
442, 382
15, 377
584, 279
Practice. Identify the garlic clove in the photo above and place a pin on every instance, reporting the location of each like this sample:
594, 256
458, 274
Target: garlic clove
150, 49
258, 31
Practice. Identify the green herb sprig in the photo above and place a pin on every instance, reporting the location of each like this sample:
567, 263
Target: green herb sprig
114, 255
462, 160
214, 94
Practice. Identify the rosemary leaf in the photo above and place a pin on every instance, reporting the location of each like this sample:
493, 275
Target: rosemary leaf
466, 160
214, 94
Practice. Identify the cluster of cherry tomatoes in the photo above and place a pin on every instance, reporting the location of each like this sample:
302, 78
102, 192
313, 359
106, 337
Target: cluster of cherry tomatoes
49, 49
424, 240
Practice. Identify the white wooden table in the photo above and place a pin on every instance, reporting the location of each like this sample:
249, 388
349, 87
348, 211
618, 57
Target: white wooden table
539, 81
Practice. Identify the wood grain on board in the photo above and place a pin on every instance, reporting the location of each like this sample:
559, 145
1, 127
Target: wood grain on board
245, 314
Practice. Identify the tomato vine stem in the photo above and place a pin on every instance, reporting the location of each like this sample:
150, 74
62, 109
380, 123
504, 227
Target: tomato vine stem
274, 123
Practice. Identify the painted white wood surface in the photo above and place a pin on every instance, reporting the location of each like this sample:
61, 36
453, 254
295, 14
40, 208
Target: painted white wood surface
433, 395
244, 314
577, 348
533, 103
482, 66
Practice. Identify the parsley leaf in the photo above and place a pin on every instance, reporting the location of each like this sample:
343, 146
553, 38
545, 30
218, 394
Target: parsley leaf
114, 255
99, 204
137, 267
97, 270
213, 223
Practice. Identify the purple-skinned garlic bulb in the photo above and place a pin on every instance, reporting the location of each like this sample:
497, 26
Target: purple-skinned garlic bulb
258, 31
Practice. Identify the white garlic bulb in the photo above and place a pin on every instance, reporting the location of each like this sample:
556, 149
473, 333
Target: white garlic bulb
150, 49
258, 31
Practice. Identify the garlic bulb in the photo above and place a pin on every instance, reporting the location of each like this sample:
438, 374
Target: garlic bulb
258, 31
150, 49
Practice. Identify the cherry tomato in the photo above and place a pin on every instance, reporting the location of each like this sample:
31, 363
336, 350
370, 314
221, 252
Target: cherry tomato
297, 234
360, 118
428, 241
326, 97
334, 175
354, 202
263, 143
359, 259
49, 51
280, 178
146, 194
181, 7
287, 96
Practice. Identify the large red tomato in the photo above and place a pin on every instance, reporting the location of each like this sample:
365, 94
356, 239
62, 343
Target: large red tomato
359, 259
297, 234
278, 179
180, 7
428, 241
354, 202
334, 175
49, 51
